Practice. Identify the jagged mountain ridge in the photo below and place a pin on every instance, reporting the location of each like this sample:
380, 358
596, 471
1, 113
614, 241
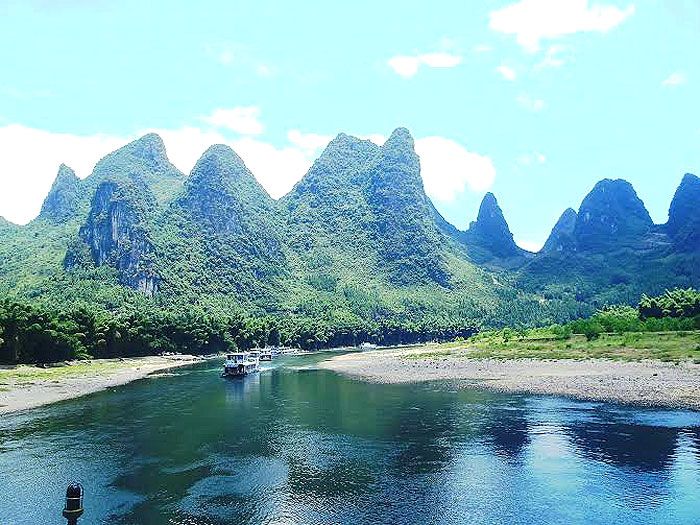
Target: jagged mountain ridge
356, 234
611, 250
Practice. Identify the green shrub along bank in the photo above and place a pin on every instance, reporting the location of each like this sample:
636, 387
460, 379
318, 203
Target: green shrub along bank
34, 333
676, 310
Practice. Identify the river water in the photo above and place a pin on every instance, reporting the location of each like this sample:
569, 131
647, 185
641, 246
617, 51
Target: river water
294, 444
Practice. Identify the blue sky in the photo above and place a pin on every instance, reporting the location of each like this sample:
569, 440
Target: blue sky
534, 100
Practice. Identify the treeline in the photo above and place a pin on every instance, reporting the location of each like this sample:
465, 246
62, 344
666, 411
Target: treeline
675, 310
36, 333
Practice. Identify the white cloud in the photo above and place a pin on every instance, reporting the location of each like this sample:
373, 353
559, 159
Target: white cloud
407, 66
507, 72
310, 143
531, 103
482, 48
530, 246
534, 20
529, 159
243, 120
375, 137
29, 160
675, 79
404, 66
556, 56
276, 169
185, 145
448, 168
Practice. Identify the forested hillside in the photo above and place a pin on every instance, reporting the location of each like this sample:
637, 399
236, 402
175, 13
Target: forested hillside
356, 247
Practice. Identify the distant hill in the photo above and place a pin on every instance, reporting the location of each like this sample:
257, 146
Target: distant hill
611, 251
357, 238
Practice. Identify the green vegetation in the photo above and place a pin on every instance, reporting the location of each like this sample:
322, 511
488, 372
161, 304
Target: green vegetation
39, 334
666, 327
632, 346
29, 374
675, 304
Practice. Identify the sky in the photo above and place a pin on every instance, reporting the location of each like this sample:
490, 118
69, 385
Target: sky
533, 100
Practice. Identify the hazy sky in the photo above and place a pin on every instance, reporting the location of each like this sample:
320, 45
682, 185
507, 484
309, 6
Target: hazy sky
534, 100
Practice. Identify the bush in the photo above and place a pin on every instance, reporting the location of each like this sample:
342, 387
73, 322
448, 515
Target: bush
618, 319
592, 330
507, 334
561, 333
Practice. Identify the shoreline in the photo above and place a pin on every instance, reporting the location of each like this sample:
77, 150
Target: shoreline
26, 387
643, 383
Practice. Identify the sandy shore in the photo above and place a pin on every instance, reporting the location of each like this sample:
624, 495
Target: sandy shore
28, 387
649, 383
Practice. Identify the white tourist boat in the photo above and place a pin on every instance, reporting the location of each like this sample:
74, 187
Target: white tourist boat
368, 346
241, 364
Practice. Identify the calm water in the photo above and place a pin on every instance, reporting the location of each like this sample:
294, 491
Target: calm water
298, 445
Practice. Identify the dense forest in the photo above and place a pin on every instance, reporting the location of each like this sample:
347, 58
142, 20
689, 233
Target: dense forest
30, 333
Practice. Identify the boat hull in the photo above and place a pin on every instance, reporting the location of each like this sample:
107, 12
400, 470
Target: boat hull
239, 371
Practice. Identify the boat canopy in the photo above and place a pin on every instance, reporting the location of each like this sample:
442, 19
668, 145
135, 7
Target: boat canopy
240, 356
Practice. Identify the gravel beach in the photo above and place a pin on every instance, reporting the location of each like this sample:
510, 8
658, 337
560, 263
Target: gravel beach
29, 387
650, 383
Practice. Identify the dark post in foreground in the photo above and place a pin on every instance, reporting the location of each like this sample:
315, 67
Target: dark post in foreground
74, 503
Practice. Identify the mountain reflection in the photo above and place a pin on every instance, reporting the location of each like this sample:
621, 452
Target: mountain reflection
648, 449
508, 430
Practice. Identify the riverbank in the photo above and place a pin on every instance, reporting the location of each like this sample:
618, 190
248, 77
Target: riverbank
24, 387
646, 382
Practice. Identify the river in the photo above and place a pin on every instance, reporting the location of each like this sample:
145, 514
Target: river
294, 444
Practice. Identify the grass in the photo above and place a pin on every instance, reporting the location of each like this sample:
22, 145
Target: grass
672, 347
28, 373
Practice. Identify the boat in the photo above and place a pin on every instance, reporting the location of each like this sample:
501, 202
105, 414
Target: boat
240, 364
368, 346
266, 355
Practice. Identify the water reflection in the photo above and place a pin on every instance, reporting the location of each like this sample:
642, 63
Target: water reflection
640, 447
297, 445
508, 429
